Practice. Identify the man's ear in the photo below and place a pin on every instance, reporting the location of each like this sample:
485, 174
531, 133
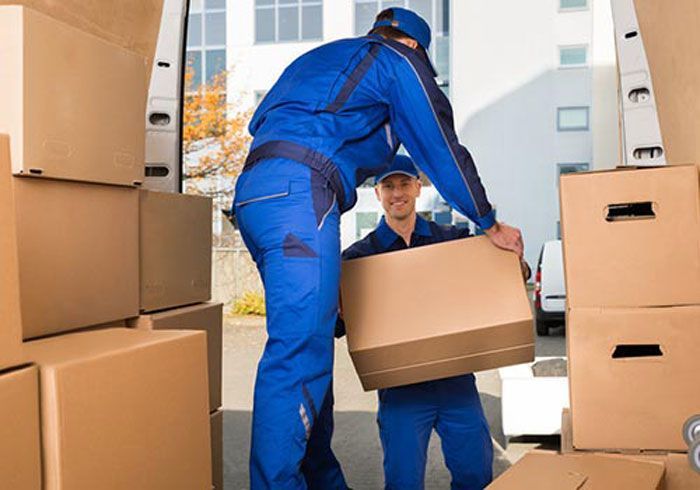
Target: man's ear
376, 192
419, 185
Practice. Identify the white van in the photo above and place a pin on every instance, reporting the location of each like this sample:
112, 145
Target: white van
549, 295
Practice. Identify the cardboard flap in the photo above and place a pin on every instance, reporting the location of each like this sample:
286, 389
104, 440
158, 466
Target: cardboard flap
551, 471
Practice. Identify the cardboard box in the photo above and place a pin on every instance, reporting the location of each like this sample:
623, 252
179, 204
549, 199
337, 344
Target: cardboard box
20, 442
206, 317
11, 323
124, 408
672, 42
551, 471
631, 237
633, 376
451, 308
73, 104
132, 24
175, 243
678, 475
217, 449
78, 254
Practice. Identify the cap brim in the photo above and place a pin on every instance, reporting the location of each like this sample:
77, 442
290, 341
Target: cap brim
396, 172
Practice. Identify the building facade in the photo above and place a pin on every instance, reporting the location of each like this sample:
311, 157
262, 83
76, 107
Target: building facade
532, 84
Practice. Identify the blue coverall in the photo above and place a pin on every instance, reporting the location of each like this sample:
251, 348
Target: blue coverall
335, 117
408, 414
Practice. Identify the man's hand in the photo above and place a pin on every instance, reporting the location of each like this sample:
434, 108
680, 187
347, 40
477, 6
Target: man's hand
506, 237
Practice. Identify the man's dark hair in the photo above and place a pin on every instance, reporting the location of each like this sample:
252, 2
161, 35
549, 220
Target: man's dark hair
387, 31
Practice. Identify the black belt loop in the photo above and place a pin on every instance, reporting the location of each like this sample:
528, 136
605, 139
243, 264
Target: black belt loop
311, 158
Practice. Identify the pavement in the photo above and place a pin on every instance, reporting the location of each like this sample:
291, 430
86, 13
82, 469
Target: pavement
356, 441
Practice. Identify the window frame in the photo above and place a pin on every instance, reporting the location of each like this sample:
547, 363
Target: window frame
203, 47
562, 47
575, 129
583, 8
300, 4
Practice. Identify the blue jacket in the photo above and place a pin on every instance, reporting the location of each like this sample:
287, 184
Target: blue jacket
383, 239
354, 101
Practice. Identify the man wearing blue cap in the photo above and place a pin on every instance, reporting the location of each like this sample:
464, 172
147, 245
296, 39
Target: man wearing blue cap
408, 414
335, 117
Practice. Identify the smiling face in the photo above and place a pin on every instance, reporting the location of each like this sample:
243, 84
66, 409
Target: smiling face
398, 194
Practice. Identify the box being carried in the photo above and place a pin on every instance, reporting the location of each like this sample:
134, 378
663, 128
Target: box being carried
436, 311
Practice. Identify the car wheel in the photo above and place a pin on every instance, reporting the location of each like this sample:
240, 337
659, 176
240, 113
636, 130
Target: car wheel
542, 328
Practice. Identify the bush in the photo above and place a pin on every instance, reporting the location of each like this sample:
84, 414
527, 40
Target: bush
251, 303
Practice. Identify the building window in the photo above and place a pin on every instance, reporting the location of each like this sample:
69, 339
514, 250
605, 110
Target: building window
435, 12
570, 168
573, 56
573, 119
206, 40
288, 20
573, 4
365, 222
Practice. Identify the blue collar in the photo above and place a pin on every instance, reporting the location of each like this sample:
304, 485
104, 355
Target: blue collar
387, 236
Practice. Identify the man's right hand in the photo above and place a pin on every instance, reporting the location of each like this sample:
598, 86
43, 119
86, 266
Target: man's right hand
506, 237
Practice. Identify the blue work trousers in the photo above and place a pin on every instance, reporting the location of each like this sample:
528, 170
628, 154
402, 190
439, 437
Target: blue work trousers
407, 416
289, 220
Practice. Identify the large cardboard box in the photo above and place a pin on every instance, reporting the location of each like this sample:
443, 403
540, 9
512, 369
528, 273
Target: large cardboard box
207, 317
435, 311
633, 376
20, 442
124, 408
78, 254
217, 449
132, 24
73, 104
552, 471
11, 323
175, 243
631, 237
672, 43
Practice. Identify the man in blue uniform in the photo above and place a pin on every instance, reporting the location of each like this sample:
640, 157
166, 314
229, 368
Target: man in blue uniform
408, 414
335, 117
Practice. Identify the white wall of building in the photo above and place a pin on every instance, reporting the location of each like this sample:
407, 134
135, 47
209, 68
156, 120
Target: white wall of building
506, 86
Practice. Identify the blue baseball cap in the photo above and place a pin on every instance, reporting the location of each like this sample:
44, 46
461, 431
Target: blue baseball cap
410, 23
401, 165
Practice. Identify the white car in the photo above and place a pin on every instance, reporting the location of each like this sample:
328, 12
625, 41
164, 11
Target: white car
550, 292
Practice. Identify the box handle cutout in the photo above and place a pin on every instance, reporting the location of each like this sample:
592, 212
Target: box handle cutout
157, 171
36, 171
627, 351
648, 152
630, 211
159, 119
640, 95
631, 34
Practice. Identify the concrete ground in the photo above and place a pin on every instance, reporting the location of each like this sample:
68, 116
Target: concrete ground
356, 442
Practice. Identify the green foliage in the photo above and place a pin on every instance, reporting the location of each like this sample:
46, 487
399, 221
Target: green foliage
251, 303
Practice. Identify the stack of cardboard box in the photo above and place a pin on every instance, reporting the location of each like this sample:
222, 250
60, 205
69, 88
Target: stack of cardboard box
631, 241
85, 401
